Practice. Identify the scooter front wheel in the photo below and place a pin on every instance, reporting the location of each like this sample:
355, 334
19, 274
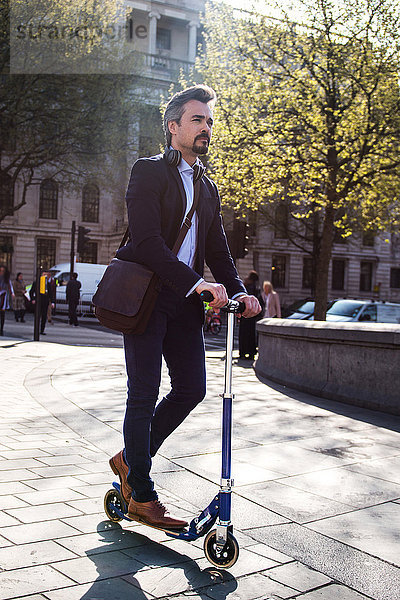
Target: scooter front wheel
227, 556
113, 497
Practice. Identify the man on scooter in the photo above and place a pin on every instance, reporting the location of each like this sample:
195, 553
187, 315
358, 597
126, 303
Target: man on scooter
159, 196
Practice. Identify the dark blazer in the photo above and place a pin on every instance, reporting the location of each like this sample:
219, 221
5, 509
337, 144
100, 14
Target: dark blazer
156, 202
50, 292
72, 291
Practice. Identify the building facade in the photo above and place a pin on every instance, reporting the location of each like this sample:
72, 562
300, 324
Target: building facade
165, 34
364, 267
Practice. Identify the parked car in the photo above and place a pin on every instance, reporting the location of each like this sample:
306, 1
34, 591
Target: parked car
373, 311
88, 274
292, 308
304, 311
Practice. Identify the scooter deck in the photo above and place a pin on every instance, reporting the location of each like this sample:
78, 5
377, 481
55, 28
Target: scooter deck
171, 532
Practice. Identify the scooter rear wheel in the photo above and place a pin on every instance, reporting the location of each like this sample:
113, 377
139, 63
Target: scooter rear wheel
221, 558
113, 497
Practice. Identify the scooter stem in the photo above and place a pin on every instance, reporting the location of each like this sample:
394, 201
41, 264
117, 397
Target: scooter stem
229, 349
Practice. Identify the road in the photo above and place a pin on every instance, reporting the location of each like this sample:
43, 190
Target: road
89, 333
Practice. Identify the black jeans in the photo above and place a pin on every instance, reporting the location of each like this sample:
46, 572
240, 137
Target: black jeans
175, 333
72, 306
44, 304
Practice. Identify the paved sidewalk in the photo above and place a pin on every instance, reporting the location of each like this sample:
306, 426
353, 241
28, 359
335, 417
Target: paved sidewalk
316, 507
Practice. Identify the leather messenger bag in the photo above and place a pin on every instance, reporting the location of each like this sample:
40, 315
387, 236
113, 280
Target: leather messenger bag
127, 292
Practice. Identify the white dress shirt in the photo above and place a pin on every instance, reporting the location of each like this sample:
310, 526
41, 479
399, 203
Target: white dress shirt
187, 251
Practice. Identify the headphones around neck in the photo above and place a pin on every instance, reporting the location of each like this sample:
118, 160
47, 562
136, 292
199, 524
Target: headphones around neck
174, 157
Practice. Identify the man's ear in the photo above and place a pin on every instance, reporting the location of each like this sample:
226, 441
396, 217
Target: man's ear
172, 126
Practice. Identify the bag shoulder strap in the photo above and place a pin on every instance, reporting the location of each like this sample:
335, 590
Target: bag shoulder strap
186, 225
187, 222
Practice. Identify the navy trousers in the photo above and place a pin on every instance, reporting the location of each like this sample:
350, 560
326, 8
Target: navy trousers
174, 332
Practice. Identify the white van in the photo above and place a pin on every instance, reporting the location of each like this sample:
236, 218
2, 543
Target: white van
88, 274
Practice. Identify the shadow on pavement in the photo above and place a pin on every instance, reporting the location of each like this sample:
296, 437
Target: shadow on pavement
121, 574
366, 415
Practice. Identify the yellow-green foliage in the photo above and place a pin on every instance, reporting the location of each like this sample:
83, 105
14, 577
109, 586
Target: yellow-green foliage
311, 109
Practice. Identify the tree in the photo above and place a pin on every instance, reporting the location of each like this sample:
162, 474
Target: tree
311, 113
66, 125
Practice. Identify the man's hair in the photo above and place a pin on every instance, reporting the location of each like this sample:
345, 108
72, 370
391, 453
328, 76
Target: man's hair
176, 106
74, 275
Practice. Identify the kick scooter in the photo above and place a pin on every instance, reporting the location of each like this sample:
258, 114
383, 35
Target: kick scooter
220, 546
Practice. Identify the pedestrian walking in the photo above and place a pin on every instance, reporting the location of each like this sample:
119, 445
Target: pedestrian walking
6, 294
46, 298
271, 299
159, 196
19, 298
247, 327
73, 294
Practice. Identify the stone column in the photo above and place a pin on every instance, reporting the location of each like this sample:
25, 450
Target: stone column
153, 18
192, 45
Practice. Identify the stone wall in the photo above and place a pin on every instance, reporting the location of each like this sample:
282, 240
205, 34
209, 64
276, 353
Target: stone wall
357, 363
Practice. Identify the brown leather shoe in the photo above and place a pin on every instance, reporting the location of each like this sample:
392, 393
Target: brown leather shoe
154, 514
120, 468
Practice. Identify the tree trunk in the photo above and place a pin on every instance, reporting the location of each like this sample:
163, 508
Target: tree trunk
321, 284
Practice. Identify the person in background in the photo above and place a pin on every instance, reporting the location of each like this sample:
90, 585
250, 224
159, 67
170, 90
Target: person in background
73, 294
51, 282
6, 291
247, 327
19, 300
271, 299
45, 299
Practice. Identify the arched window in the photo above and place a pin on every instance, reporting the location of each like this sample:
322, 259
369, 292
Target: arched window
281, 221
90, 203
48, 204
6, 195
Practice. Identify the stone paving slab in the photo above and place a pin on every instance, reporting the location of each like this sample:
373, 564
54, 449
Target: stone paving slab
347, 487
60, 427
31, 554
375, 530
362, 572
15, 584
293, 504
109, 589
333, 592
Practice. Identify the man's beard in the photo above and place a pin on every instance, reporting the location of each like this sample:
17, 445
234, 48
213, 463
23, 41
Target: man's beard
200, 148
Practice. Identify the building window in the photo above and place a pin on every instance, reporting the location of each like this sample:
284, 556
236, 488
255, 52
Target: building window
278, 277
6, 195
307, 281
163, 39
90, 203
366, 276
395, 278
45, 253
6, 250
281, 221
338, 270
90, 254
48, 203
368, 238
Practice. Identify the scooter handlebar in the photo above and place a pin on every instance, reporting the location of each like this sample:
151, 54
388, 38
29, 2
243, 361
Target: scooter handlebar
231, 306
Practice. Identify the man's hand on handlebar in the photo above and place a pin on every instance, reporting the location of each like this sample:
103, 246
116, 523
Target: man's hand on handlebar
217, 290
253, 307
